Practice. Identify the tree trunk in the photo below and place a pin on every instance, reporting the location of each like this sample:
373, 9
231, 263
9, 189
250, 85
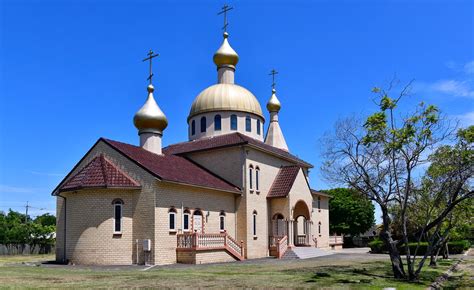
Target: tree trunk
386, 236
434, 258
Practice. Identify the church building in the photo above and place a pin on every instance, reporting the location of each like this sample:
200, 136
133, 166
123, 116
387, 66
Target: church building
231, 192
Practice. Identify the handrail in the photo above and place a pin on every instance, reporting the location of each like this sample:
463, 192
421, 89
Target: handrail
282, 246
336, 240
198, 241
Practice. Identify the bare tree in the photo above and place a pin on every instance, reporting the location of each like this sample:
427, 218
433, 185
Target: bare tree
382, 158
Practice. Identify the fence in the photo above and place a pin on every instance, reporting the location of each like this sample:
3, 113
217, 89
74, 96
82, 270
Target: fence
25, 250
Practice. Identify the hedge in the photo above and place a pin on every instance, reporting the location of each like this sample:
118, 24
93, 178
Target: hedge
454, 247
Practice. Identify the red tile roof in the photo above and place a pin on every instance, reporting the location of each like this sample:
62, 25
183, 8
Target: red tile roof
99, 173
228, 140
172, 168
284, 181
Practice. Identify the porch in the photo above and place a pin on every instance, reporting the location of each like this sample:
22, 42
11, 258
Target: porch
191, 248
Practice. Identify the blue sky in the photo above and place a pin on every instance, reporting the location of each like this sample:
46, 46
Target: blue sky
71, 71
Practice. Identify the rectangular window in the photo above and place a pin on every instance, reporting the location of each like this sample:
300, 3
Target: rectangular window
222, 223
118, 218
254, 224
258, 127
172, 221
257, 176
251, 178
248, 124
186, 222
233, 122
319, 203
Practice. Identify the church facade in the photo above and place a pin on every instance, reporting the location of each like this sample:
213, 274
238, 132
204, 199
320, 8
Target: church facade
229, 193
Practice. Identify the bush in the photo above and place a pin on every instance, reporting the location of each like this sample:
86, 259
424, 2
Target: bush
455, 247
377, 246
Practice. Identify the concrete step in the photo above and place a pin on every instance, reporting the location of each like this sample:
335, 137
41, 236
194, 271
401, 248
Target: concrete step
305, 253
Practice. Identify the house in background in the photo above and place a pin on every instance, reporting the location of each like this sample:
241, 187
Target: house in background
226, 194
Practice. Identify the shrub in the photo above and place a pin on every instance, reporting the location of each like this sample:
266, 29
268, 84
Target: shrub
455, 247
377, 246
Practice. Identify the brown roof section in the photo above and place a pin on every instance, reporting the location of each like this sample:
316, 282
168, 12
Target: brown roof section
228, 140
284, 181
99, 173
172, 168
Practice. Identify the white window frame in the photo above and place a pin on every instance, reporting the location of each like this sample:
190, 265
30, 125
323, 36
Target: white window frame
172, 212
257, 179
251, 177
119, 204
188, 215
254, 224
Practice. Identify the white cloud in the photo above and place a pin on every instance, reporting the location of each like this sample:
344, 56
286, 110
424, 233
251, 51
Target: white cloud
15, 189
454, 88
46, 173
466, 119
469, 67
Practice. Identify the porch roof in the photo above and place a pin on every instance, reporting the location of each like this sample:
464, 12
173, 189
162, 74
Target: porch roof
284, 181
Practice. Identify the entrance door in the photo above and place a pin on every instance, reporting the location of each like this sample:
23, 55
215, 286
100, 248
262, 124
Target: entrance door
197, 223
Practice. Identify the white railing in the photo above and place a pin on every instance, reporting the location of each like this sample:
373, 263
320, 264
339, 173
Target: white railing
197, 241
282, 246
336, 240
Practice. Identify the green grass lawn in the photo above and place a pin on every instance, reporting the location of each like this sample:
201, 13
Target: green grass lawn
363, 273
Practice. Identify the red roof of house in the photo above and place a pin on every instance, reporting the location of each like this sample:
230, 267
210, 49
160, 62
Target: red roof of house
99, 173
228, 140
314, 191
172, 168
284, 181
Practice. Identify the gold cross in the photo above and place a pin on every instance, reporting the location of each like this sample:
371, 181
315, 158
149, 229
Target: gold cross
273, 73
150, 57
224, 10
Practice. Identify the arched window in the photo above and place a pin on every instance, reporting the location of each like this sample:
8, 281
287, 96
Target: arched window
233, 122
193, 127
257, 178
258, 127
319, 203
254, 223
248, 124
203, 124
251, 177
118, 215
197, 221
319, 228
217, 123
186, 215
172, 219
222, 221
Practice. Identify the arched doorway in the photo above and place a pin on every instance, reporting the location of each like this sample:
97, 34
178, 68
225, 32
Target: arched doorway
301, 224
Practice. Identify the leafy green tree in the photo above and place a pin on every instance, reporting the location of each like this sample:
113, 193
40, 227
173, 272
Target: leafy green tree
350, 212
382, 158
46, 220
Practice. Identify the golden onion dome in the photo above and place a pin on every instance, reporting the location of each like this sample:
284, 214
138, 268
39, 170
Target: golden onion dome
150, 116
226, 55
225, 97
273, 104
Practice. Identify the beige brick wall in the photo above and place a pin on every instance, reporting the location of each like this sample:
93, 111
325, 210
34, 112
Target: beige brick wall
84, 208
204, 257
322, 216
269, 166
210, 202
226, 163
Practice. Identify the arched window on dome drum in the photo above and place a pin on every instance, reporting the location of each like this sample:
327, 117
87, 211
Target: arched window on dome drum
203, 124
217, 123
233, 122
251, 177
248, 124
257, 178
193, 127
258, 127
